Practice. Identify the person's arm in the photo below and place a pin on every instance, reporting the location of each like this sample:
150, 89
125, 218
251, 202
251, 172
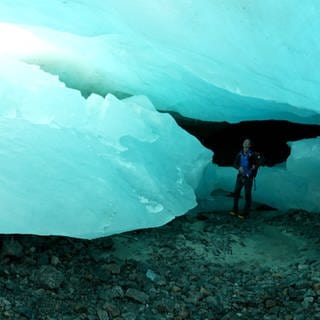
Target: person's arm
236, 162
258, 160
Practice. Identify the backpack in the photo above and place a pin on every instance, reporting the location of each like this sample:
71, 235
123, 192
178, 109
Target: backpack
257, 160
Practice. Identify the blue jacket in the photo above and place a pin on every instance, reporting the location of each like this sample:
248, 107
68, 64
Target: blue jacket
247, 161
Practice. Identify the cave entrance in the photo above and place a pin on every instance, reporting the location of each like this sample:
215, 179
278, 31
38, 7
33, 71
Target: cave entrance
269, 137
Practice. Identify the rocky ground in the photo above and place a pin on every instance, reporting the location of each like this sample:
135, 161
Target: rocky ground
200, 266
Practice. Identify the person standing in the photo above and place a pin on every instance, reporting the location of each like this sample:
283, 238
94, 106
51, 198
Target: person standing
246, 162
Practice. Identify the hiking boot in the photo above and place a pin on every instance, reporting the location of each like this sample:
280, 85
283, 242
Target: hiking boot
233, 213
243, 215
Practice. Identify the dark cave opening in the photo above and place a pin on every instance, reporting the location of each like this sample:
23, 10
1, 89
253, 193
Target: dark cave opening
269, 137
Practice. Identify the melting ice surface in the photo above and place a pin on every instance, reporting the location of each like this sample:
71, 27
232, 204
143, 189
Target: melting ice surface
84, 150
88, 168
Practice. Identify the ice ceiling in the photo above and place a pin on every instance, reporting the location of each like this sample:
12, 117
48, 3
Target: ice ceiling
84, 150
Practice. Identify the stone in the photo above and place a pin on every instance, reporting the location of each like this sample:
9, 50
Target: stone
269, 303
113, 268
116, 292
49, 277
112, 309
54, 260
102, 315
11, 248
137, 295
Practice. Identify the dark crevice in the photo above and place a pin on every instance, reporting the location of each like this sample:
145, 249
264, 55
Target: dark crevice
270, 137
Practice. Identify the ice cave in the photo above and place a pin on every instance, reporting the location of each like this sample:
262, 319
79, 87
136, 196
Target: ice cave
119, 115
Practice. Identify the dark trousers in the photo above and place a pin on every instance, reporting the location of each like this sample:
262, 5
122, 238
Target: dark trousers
246, 182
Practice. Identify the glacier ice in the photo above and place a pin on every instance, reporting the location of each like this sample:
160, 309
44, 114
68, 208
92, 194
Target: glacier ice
211, 60
86, 152
89, 168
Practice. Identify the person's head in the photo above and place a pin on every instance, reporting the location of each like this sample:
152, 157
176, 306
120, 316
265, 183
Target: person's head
246, 144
